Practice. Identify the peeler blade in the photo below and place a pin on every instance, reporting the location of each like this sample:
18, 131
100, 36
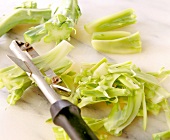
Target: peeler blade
20, 63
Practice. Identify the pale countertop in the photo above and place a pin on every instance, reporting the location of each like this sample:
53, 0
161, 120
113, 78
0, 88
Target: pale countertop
26, 120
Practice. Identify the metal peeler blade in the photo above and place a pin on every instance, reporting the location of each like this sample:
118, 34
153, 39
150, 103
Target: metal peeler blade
20, 63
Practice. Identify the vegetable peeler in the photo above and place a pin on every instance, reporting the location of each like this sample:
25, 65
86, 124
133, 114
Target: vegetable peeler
63, 112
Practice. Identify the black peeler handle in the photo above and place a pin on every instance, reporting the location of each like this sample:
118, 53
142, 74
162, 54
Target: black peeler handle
67, 115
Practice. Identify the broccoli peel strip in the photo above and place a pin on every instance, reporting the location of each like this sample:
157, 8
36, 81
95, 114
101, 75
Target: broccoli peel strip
59, 27
23, 16
111, 22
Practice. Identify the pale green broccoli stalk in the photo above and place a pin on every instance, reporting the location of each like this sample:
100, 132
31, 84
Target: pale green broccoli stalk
117, 42
59, 27
16, 80
27, 14
111, 22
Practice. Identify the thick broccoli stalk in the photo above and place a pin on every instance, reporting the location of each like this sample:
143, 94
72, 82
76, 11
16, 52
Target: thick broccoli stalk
24, 14
111, 22
59, 27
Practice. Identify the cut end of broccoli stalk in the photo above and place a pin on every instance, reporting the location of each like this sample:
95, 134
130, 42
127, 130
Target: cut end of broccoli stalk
59, 27
57, 33
35, 34
111, 22
123, 45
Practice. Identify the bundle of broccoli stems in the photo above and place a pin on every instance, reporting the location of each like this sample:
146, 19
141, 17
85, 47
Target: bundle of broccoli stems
56, 26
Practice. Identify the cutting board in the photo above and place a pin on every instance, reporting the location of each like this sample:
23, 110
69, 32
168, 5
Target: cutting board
26, 120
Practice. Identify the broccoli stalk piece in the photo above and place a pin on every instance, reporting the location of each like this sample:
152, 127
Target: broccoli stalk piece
59, 27
111, 22
119, 42
24, 14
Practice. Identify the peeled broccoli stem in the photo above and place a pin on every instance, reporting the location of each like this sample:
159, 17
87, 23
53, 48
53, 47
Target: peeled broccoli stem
124, 45
59, 27
23, 16
111, 22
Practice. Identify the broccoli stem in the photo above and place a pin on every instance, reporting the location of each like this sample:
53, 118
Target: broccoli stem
110, 22
122, 45
23, 16
59, 27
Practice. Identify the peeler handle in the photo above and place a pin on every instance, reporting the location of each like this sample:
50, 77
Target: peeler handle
68, 116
